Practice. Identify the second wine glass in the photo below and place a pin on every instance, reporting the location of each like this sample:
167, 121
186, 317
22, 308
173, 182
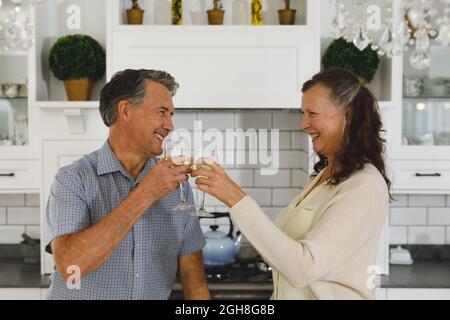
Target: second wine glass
200, 154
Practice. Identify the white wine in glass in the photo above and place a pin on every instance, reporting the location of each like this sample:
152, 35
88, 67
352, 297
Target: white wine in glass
180, 154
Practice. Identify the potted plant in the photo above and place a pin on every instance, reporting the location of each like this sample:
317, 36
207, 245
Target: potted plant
135, 15
78, 60
287, 15
343, 54
215, 16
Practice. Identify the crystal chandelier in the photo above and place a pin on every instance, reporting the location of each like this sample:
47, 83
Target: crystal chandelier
16, 29
408, 25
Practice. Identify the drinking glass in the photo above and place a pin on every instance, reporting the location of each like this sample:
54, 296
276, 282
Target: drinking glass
199, 154
180, 153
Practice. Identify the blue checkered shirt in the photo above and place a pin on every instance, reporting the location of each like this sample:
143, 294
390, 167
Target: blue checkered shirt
144, 265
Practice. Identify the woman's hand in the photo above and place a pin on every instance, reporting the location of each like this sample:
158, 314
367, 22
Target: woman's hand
217, 183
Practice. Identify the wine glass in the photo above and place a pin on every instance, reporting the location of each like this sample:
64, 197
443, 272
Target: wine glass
199, 154
180, 154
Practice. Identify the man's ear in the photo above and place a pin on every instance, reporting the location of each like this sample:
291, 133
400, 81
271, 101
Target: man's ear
123, 110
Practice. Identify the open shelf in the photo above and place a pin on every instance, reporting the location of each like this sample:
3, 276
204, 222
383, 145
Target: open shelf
237, 12
51, 22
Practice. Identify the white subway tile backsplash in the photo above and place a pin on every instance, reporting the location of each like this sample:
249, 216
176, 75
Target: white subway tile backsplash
408, 216
299, 179
299, 141
243, 177
262, 196
11, 234
216, 120
426, 200
287, 120
12, 200
292, 159
401, 200
33, 231
438, 216
282, 197
281, 179
285, 141
253, 120
426, 235
211, 201
23, 215
184, 120
398, 235
32, 200
2, 216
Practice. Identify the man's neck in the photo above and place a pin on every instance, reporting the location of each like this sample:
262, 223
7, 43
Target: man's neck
128, 154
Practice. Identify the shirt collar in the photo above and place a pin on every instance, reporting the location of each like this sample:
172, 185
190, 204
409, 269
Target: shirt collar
108, 163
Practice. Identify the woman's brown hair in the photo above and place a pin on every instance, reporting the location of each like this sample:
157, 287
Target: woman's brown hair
362, 141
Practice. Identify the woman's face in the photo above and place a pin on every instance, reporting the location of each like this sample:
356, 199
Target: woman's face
322, 121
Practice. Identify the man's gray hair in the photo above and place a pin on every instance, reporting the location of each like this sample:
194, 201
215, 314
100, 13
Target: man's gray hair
130, 85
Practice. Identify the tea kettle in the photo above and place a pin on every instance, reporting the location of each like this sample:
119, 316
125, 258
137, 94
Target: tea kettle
221, 249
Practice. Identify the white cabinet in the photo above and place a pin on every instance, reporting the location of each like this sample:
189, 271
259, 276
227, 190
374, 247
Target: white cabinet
57, 154
23, 293
417, 294
227, 66
19, 176
418, 129
20, 294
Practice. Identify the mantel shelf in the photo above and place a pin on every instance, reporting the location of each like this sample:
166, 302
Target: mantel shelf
63, 105
209, 28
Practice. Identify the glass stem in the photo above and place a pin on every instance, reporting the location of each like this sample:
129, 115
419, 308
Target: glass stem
202, 201
182, 198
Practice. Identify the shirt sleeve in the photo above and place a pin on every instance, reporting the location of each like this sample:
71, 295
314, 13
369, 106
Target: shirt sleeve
193, 239
67, 211
349, 220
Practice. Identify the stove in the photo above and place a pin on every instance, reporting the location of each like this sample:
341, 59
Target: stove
240, 272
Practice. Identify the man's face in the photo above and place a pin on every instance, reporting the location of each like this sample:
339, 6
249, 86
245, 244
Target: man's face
151, 121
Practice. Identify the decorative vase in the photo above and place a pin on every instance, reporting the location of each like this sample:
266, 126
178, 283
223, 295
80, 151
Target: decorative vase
287, 16
135, 16
257, 17
78, 89
215, 16
177, 12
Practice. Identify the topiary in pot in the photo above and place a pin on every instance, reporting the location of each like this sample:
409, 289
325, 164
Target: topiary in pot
343, 54
78, 60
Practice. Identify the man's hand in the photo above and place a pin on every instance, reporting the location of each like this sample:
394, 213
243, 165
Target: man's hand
164, 178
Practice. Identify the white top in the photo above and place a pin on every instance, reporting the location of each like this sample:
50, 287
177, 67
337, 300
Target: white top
331, 256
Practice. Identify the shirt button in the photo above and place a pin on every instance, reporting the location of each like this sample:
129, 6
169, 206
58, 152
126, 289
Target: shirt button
137, 275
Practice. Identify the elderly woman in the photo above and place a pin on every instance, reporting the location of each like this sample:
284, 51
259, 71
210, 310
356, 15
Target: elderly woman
322, 244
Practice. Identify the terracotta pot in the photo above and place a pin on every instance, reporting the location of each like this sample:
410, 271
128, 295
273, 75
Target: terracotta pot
78, 89
287, 16
215, 17
135, 16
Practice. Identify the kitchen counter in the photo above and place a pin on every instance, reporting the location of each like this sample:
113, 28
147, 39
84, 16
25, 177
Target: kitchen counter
431, 274
14, 273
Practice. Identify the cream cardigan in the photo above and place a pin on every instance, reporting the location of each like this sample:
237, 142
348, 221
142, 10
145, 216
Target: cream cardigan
334, 256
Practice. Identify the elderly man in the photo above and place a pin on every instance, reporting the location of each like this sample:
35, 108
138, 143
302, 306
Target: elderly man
110, 213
